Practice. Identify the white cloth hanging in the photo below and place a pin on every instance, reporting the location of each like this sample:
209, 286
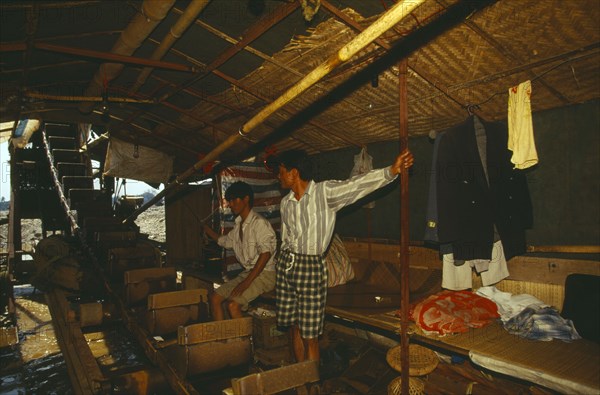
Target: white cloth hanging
520, 126
363, 163
459, 277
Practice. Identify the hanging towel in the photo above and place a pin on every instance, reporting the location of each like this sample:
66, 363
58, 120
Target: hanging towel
520, 126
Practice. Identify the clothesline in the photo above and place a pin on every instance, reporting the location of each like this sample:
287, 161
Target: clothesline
470, 106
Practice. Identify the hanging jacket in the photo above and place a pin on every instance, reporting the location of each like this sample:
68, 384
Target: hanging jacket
468, 208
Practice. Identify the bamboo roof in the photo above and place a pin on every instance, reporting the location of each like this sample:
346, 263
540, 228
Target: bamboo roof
238, 58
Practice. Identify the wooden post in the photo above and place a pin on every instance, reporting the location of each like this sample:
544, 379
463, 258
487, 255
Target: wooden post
14, 214
366, 37
404, 237
572, 249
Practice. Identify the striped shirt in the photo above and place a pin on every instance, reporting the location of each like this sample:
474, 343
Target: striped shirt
307, 224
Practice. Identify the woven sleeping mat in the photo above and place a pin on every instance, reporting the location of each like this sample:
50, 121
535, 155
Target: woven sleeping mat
374, 297
565, 367
380, 288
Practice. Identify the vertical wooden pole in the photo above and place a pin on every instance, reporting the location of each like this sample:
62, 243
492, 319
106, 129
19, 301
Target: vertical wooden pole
15, 240
404, 212
369, 234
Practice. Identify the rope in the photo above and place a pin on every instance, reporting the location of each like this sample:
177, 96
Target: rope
58, 187
470, 106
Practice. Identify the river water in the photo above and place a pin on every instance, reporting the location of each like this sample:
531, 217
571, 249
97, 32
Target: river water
35, 365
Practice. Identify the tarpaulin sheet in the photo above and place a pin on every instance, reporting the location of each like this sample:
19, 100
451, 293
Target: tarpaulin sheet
25, 129
124, 160
265, 185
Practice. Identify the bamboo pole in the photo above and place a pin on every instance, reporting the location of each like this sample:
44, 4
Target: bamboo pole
380, 26
404, 237
35, 95
176, 31
366, 37
573, 249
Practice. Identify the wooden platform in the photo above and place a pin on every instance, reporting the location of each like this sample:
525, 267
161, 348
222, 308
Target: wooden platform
565, 367
560, 366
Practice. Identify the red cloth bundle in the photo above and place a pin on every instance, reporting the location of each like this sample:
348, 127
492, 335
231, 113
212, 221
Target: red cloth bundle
453, 312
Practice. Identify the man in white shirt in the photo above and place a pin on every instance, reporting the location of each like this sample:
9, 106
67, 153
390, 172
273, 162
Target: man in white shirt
307, 222
253, 242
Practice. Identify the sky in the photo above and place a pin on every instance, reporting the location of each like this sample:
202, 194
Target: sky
133, 187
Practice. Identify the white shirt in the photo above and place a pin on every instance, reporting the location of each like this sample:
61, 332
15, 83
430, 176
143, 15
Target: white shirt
258, 237
307, 224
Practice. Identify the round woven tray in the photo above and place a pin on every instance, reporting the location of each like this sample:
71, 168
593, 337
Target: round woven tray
415, 386
421, 360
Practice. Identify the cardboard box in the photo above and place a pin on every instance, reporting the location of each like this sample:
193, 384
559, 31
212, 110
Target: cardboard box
265, 333
192, 359
211, 346
140, 283
169, 310
141, 256
279, 380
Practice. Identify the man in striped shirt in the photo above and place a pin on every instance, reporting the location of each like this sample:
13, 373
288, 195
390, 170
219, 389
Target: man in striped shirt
308, 215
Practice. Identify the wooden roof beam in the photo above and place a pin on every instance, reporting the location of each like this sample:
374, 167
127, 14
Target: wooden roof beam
382, 43
107, 56
266, 100
200, 95
383, 23
136, 32
255, 31
255, 52
184, 21
257, 95
32, 16
46, 66
45, 5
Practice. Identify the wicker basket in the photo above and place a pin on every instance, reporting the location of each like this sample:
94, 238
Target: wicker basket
415, 386
421, 360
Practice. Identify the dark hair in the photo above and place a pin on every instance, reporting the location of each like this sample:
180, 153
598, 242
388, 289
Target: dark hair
296, 159
240, 189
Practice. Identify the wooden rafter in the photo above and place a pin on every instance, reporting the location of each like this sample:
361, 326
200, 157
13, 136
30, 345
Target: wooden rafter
254, 92
255, 31
385, 45
88, 53
383, 23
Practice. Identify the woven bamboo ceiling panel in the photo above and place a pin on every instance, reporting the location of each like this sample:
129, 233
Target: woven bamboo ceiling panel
242, 55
